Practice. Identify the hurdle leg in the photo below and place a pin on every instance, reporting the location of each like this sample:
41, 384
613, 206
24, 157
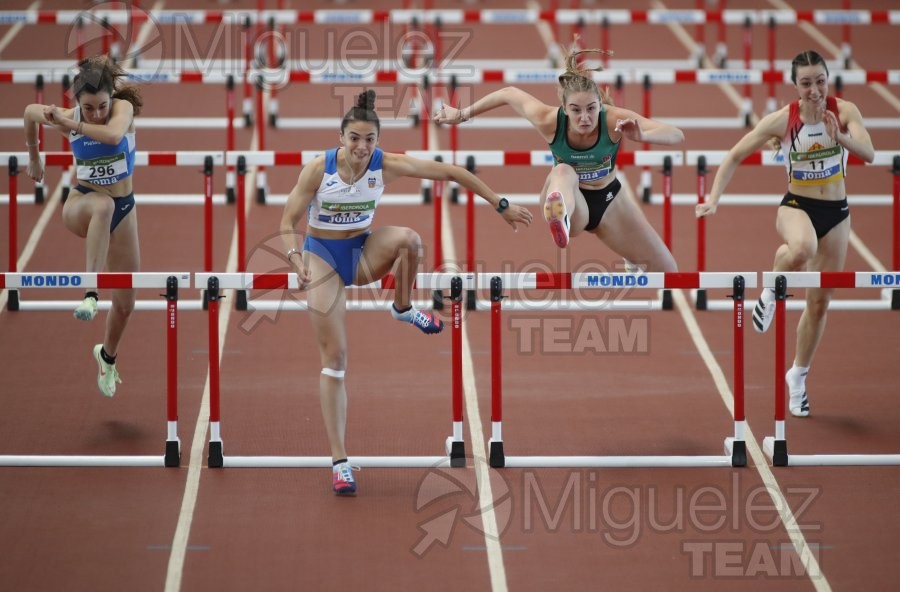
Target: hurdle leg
12, 302
215, 459
456, 445
173, 444
779, 443
738, 447
497, 457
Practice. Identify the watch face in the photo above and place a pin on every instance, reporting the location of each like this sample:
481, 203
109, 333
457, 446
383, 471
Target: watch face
504, 203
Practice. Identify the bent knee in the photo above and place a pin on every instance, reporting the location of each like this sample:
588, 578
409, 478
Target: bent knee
563, 171
800, 254
410, 241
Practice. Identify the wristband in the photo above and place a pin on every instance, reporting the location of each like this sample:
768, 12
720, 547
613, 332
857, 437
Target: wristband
293, 251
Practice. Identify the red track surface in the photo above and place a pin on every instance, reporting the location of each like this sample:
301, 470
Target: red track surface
609, 529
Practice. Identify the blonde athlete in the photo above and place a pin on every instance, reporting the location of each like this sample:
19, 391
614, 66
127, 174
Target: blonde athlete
339, 192
816, 134
585, 134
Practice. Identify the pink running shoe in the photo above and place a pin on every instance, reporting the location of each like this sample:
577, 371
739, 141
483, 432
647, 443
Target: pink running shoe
557, 216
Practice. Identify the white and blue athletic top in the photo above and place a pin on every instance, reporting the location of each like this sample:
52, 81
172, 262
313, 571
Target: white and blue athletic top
339, 206
99, 163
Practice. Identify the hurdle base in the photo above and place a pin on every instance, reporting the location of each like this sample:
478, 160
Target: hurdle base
471, 300
215, 459
173, 453
321, 462
737, 449
832, 460
617, 462
12, 302
497, 458
230, 196
700, 299
437, 299
895, 300
241, 300
667, 300
76, 460
457, 453
776, 450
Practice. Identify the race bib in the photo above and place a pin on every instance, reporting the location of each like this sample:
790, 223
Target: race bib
817, 166
346, 213
103, 170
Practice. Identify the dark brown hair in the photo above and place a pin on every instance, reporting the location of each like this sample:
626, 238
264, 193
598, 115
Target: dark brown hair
364, 110
577, 77
97, 74
807, 58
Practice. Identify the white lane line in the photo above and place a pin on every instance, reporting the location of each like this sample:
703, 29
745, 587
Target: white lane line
865, 253
175, 569
14, 30
486, 502
760, 462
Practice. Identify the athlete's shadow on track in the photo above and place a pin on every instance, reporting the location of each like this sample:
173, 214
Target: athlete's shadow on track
114, 431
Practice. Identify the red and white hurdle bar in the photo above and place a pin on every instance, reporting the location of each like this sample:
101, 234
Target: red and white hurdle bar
453, 76
170, 282
664, 158
454, 445
735, 447
775, 447
206, 160
456, 16
890, 298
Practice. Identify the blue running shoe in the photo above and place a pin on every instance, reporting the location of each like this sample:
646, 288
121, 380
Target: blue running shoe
426, 322
342, 482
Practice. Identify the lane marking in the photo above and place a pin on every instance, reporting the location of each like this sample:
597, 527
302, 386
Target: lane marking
760, 462
175, 569
486, 504
14, 30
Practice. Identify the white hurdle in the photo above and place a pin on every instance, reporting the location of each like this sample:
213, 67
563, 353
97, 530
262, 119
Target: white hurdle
454, 446
169, 282
735, 447
775, 447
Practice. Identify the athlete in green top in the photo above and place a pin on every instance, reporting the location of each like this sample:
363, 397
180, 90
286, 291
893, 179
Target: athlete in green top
584, 136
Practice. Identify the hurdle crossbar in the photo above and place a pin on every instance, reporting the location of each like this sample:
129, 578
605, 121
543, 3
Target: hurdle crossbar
204, 159
454, 16
735, 447
775, 447
454, 444
705, 158
168, 281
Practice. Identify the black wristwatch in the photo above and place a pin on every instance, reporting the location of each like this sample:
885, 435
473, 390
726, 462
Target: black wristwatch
502, 204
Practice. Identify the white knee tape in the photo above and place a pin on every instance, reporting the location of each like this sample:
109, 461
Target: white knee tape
339, 374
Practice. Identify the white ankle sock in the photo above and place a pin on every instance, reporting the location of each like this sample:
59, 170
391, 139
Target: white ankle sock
796, 378
407, 315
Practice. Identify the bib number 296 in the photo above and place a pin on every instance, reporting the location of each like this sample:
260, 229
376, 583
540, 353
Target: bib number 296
102, 171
